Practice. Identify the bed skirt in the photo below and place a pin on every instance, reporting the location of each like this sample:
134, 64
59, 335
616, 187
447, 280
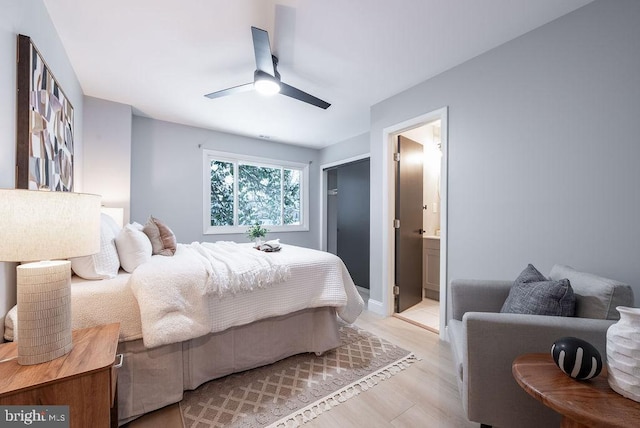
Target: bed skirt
153, 378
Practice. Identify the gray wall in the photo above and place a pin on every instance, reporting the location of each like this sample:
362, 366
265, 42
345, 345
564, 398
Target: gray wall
352, 147
107, 152
166, 179
544, 141
29, 17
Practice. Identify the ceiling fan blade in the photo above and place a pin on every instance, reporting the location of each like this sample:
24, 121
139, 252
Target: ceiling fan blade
284, 34
230, 91
262, 49
292, 92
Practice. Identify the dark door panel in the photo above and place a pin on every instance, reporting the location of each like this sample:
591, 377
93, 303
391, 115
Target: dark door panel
408, 242
353, 220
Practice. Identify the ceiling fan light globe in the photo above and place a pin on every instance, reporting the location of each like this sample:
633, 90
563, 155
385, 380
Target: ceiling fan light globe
267, 86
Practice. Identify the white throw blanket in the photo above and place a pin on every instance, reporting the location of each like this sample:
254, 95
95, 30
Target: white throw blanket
233, 268
181, 297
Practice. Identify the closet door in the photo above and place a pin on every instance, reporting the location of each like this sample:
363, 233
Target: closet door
353, 220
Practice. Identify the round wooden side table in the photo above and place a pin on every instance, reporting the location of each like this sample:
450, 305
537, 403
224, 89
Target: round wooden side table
590, 403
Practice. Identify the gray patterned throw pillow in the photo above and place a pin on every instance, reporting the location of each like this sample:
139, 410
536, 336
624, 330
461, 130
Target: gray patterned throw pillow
533, 293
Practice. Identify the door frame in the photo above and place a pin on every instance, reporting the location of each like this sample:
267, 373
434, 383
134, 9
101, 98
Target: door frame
323, 193
388, 234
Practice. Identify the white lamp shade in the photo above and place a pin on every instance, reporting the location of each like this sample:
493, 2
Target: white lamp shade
46, 225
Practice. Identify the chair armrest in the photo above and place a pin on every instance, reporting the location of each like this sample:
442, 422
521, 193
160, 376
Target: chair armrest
473, 295
522, 334
494, 340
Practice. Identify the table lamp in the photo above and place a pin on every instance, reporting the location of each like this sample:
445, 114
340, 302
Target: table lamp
44, 225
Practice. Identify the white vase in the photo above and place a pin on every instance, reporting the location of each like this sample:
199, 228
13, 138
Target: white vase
623, 353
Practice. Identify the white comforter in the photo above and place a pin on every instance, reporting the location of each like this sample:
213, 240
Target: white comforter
179, 299
96, 302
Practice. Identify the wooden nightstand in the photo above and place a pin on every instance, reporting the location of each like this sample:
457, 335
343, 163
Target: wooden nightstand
84, 379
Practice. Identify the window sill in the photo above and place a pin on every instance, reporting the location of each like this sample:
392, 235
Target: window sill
226, 230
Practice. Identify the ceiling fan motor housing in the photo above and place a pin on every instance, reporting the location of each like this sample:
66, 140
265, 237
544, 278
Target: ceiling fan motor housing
265, 83
263, 75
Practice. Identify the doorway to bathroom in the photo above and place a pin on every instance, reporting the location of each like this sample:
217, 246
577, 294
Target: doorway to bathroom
417, 224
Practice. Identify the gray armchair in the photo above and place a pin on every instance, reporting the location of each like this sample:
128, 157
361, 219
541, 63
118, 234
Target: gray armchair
485, 342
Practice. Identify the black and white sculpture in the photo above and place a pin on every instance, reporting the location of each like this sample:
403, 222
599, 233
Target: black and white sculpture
577, 358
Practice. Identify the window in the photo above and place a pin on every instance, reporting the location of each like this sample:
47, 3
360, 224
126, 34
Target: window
240, 191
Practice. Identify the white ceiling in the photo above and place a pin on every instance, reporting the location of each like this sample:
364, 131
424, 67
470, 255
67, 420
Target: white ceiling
162, 56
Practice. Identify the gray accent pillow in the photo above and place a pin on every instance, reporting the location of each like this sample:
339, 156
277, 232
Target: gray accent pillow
532, 293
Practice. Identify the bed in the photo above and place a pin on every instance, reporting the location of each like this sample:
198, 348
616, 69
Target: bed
178, 329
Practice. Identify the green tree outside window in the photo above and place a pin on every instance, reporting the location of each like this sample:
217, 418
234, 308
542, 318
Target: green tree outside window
265, 195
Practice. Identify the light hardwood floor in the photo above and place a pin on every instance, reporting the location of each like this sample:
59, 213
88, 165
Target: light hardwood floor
424, 395
425, 314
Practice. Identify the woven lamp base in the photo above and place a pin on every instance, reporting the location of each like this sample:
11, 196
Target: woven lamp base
44, 311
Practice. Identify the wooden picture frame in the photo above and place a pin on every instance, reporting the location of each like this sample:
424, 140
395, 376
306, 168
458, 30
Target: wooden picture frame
44, 125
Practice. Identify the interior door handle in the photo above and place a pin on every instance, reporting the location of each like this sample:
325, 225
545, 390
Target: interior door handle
421, 231
120, 357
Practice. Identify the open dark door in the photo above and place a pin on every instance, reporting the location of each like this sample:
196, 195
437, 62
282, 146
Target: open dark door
353, 220
408, 243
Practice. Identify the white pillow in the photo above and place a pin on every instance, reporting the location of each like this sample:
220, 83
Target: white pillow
111, 224
104, 264
10, 330
134, 247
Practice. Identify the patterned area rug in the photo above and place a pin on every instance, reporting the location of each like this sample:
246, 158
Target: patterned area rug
297, 389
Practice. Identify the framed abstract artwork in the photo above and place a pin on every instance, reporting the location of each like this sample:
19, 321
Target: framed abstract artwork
44, 128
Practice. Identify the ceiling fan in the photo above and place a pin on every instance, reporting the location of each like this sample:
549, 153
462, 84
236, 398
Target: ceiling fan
266, 78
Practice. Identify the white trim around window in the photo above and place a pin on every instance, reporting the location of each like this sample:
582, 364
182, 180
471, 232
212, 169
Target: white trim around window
212, 155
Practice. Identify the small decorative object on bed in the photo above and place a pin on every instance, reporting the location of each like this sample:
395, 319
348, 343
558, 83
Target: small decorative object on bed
256, 233
577, 358
270, 246
623, 353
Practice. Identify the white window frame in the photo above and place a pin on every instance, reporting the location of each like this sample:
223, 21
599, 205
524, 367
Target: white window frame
212, 155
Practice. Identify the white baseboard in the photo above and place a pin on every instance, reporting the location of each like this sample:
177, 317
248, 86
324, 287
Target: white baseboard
376, 307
